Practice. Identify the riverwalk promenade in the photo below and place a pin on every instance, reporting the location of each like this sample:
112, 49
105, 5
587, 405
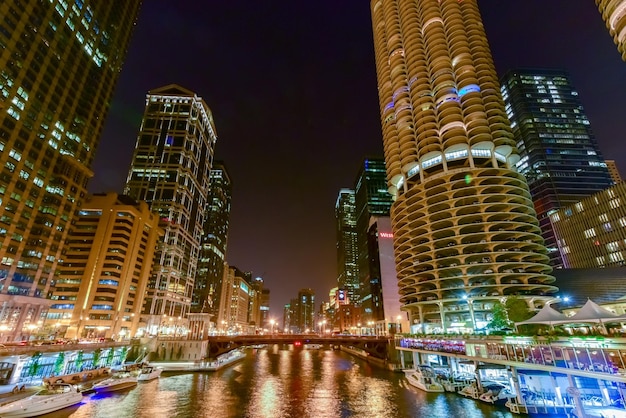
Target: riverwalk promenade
582, 375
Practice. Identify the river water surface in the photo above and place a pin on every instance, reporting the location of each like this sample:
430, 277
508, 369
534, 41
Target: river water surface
283, 382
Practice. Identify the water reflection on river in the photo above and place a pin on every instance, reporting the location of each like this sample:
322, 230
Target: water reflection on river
282, 382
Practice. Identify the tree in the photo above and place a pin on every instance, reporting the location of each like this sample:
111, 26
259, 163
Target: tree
59, 363
33, 368
109, 360
500, 317
79, 361
517, 309
96, 358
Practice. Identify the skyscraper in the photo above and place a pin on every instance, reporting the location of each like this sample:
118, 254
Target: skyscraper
371, 200
614, 15
208, 283
170, 170
107, 262
347, 252
560, 157
465, 231
59, 62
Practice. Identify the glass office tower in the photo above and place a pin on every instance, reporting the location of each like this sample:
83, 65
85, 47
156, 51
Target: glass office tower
372, 200
170, 170
465, 231
347, 252
59, 62
208, 283
560, 157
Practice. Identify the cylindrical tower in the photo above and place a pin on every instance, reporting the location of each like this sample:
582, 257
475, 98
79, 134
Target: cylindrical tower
465, 231
614, 15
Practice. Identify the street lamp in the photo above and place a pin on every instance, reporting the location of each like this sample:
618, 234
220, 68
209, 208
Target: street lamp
272, 322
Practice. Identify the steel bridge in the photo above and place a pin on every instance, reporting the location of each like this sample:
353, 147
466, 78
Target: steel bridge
375, 346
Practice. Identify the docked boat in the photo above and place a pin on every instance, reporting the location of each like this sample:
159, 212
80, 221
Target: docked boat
149, 373
496, 394
470, 391
423, 377
45, 401
117, 381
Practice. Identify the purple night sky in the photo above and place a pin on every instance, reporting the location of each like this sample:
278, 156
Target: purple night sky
292, 88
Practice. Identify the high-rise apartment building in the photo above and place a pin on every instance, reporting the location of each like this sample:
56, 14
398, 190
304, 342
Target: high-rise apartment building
372, 199
592, 233
347, 251
107, 262
170, 170
465, 231
560, 157
208, 283
614, 15
59, 62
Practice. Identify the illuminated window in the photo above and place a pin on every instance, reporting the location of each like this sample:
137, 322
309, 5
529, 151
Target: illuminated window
590, 233
616, 257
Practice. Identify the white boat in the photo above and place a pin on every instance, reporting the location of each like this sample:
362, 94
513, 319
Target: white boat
117, 381
423, 377
50, 399
149, 373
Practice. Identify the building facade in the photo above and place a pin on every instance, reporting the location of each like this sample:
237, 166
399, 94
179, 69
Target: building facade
592, 232
170, 170
208, 283
614, 15
371, 200
233, 315
305, 310
59, 63
465, 231
560, 157
106, 266
613, 171
347, 250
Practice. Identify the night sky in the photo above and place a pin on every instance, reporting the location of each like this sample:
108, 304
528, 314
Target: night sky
292, 88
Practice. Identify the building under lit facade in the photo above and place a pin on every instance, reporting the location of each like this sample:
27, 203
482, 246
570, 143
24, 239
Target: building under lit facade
208, 283
170, 170
560, 156
59, 63
465, 231
592, 232
614, 15
106, 266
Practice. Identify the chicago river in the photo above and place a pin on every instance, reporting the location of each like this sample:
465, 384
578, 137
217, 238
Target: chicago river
283, 382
